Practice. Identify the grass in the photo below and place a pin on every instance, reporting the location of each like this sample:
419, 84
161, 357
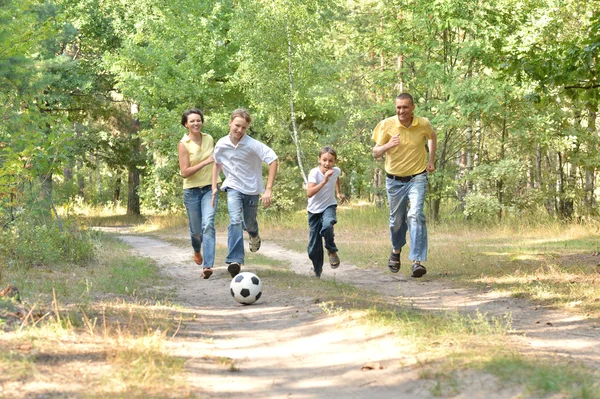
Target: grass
552, 264
109, 319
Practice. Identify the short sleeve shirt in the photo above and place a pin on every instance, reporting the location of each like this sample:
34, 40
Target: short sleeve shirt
326, 195
410, 157
242, 163
198, 154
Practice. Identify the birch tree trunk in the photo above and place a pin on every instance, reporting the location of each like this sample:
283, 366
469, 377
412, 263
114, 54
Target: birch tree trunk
293, 114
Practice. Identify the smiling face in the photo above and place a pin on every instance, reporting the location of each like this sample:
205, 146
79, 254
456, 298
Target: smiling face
237, 129
404, 110
326, 161
194, 123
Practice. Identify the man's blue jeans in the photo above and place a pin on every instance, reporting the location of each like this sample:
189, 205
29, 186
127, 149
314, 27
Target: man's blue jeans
242, 215
403, 218
201, 216
321, 225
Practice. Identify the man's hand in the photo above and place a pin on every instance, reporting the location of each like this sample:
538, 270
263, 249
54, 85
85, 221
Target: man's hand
266, 198
394, 142
430, 167
215, 192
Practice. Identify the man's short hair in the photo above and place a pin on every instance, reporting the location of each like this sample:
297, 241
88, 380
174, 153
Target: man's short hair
405, 96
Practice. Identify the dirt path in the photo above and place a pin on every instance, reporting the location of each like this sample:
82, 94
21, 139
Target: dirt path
286, 347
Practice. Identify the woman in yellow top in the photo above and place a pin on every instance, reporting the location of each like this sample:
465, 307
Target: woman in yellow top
195, 164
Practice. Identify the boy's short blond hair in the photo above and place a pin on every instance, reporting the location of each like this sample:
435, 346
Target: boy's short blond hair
241, 113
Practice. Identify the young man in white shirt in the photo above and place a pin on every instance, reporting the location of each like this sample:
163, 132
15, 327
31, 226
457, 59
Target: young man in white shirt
240, 157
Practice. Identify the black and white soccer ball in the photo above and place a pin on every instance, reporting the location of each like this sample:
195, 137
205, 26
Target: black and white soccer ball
246, 288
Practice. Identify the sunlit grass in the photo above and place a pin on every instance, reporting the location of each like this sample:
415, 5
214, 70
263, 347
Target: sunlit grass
112, 314
552, 263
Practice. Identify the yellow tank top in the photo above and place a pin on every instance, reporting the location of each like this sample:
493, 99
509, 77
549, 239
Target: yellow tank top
198, 154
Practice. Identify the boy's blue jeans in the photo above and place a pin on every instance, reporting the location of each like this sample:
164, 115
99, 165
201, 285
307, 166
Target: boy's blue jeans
403, 218
242, 215
320, 226
201, 217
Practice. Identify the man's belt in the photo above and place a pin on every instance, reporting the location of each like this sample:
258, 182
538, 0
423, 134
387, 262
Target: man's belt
404, 179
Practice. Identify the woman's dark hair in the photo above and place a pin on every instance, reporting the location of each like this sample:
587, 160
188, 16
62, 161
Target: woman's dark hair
328, 150
188, 113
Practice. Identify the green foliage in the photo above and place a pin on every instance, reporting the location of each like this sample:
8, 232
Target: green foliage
31, 243
482, 208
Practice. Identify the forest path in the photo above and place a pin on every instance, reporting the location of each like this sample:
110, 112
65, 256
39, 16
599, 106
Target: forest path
287, 347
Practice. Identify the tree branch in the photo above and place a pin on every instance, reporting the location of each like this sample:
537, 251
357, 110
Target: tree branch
588, 87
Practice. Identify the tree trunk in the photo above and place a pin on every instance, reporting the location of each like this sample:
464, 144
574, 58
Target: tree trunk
590, 172
292, 111
133, 180
500, 182
117, 189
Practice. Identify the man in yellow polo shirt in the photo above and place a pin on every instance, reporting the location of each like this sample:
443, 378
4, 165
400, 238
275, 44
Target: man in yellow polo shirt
402, 139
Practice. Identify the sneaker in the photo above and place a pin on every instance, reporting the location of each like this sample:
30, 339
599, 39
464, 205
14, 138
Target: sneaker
234, 269
254, 244
206, 273
418, 270
198, 258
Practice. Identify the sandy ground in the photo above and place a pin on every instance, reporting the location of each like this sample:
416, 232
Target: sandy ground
288, 347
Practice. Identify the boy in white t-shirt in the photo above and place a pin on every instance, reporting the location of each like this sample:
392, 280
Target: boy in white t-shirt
240, 157
323, 185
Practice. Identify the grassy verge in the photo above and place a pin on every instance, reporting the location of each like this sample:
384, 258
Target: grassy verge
448, 345
90, 331
554, 264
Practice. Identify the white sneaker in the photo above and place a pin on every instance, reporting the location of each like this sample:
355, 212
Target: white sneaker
254, 244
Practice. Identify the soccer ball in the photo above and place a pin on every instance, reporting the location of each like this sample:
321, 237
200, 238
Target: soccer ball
246, 288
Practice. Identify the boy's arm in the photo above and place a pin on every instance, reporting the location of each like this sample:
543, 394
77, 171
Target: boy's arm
266, 197
338, 191
314, 188
215, 176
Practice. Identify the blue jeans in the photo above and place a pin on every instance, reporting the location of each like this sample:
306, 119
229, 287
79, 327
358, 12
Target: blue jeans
403, 218
201, 216
321, 225
242, 215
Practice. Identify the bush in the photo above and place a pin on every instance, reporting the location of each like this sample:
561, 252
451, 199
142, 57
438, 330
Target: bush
28, 244
482, 208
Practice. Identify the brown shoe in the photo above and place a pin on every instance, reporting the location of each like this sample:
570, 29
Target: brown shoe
198, 258
206, 273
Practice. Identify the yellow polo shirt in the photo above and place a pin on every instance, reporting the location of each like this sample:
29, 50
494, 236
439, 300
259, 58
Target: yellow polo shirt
410, 157
197, 154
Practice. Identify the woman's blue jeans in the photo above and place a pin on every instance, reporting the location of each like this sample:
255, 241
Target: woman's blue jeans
242, 215
201, 216
320, 227
403, 218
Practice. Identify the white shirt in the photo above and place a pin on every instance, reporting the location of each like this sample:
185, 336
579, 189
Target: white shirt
326, 195
242, 163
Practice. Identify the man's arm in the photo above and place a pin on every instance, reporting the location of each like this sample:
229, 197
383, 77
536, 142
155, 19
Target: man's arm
215, 176
379, 150
432, 143
266, 197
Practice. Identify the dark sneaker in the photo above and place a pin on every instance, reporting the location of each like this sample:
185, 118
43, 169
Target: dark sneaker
254, 244
234, 269
418, 270
206, 273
